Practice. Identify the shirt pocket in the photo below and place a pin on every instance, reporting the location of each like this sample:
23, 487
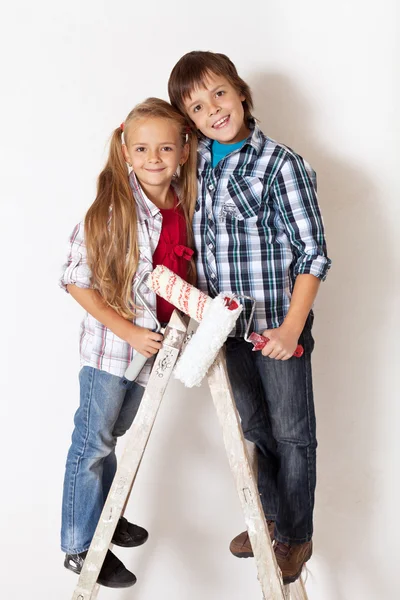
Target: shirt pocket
242, 200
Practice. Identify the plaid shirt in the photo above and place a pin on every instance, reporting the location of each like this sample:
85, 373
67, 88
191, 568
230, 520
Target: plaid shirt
99, 347
257, 226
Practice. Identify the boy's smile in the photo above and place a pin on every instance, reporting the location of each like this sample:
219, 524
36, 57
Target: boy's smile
217, 110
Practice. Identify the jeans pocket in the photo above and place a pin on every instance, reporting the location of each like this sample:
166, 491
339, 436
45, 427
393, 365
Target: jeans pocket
306, 338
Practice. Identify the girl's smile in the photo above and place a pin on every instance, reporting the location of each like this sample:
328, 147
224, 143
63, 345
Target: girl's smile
154, 149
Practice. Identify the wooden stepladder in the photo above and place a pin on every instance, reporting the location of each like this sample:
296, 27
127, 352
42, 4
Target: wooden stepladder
269, 575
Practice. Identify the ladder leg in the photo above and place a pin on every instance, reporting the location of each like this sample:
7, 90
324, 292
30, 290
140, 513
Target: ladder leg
298, 590
269, 574
94, 595
139, 434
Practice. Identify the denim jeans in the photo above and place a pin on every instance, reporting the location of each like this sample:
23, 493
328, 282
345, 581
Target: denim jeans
106, 412
275, 402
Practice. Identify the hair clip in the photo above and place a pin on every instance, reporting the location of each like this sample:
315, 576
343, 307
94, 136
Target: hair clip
122, 126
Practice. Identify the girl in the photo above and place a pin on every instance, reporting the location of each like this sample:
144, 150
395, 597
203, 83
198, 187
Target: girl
141, 217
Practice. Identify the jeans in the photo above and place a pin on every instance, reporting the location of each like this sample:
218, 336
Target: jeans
275, 402
106, 412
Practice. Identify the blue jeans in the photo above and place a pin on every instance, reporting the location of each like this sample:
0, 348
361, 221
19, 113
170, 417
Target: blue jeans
275, 402
106, 412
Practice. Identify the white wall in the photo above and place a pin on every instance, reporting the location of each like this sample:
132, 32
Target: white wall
324, 77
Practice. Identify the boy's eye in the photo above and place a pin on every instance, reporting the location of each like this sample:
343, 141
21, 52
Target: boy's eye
220, 93
197, 108
167, 148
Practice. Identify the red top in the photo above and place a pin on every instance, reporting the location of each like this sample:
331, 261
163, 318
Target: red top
172, 253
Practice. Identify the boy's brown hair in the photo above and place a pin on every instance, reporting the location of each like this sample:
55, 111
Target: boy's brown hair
191, 71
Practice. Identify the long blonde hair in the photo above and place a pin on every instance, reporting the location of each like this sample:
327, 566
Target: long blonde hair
111, 221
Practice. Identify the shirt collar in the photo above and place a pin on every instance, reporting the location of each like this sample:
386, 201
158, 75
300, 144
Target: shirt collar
145, 207
256, 140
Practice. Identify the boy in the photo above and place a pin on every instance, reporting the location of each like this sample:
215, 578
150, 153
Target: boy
259, 232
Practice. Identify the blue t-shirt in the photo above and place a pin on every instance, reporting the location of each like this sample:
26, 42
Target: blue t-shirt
219, 151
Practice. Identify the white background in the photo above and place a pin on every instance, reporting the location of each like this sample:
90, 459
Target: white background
325, 82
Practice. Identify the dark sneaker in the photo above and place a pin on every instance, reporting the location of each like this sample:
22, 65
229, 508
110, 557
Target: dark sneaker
291, 559
128, 535
113, 574
240, 546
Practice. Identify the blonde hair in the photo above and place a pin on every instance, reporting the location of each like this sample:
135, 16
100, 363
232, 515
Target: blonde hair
111, 221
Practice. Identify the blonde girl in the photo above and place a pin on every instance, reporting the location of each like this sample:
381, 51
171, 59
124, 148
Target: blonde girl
141, 217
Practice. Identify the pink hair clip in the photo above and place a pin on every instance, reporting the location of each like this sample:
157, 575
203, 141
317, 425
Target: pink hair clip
122, 126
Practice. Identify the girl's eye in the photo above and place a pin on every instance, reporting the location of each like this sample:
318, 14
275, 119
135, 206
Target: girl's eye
220, 93
167, 148
197, 108
140, 149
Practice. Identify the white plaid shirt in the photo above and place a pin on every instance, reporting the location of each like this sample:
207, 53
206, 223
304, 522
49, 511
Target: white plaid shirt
257, 226
99, 347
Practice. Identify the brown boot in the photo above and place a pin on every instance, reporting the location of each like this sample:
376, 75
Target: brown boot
241, 547
291, 559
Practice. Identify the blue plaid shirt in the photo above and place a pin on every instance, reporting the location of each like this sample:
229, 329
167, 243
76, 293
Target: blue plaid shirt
257, 225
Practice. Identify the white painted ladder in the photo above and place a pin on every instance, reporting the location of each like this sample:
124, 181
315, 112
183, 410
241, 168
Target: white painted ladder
268, 572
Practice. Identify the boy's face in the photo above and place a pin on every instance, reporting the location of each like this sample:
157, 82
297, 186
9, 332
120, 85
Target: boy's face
217, 110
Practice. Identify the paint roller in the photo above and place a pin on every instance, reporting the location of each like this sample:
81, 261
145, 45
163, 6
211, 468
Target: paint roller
217, 318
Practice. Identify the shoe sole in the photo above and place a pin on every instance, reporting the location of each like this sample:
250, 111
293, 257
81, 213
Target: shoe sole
243, 554
129, 545
110, 584
293, 578
103, 582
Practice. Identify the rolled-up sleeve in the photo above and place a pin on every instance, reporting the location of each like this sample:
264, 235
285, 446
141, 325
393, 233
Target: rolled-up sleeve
76, 270
295, 192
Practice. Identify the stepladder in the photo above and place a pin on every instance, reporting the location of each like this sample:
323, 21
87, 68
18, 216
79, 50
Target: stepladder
176, 334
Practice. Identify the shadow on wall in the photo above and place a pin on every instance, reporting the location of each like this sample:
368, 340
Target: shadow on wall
346, 375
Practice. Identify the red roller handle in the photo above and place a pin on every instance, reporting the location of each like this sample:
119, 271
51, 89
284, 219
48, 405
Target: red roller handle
259, 341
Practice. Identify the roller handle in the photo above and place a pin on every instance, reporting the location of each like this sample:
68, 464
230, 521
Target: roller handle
259, 342
133, 369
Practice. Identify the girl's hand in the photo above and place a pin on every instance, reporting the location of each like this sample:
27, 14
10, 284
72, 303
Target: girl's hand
144, 340
282, 343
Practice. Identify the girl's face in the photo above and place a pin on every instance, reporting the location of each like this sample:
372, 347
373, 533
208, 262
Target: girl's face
154, 149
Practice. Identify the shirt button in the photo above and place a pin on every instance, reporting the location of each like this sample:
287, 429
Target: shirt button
211, 186
210, 246
209, 215
212, 276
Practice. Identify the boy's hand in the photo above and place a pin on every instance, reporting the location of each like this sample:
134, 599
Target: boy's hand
282, 343
144, 340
